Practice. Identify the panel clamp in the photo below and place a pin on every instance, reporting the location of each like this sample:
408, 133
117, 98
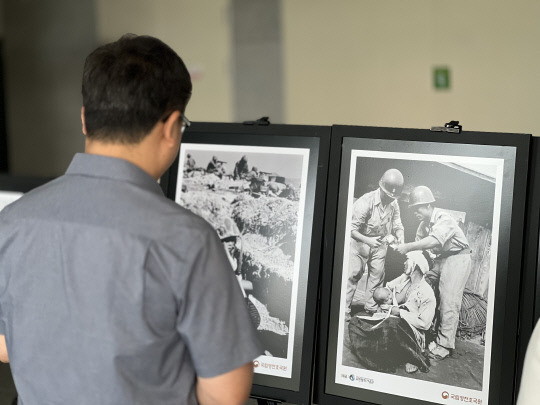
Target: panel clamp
452, 127
263, 121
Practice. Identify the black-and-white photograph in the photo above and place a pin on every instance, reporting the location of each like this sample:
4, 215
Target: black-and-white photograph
418, 276
254, 197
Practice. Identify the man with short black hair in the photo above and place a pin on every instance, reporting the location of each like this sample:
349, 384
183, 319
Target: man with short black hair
111, 293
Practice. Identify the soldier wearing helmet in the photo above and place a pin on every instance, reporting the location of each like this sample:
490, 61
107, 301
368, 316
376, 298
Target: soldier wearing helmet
375, 217
216, 167
229, 234
391, 183
232, 242
241, 168
440, 234
190, 165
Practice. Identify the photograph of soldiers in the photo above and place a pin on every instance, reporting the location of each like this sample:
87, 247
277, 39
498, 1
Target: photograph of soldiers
398, 339
376, 220
190, 162
444, 209
231, 238
254, 172
191, 167
216, 166
241, 168
440, 233
258, 223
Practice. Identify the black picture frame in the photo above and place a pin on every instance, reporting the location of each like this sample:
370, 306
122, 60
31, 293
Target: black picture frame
532, 312
21, 184
510, 153
266, 145
530, 291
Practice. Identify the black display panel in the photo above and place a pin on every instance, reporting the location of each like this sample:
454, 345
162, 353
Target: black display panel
477, 181
262, 187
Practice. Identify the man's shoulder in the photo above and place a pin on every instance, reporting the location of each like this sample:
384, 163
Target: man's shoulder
121, 205
178, 216
439, 213
366, 199
427, 290
442, 217
28, 200
401, 279
165, 220
370, 194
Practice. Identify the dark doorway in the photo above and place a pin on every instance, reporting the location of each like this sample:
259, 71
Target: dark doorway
3, 127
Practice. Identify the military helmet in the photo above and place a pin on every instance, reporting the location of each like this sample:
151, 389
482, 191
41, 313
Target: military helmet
392, 183
228, 230
421, 195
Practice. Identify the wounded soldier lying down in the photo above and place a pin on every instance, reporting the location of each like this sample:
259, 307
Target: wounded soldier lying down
384, 342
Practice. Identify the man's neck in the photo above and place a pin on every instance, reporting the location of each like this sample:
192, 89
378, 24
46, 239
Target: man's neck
136, 154
382, 198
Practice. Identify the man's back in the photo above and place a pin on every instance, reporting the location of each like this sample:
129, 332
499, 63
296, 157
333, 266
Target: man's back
106, 289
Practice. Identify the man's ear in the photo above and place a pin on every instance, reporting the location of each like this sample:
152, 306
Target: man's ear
83, 121
171, 129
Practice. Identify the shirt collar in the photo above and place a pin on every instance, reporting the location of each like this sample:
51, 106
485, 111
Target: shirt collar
377, 197
435, 215
112, 168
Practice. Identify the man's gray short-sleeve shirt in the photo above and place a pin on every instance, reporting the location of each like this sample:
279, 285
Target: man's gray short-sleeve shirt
112, 294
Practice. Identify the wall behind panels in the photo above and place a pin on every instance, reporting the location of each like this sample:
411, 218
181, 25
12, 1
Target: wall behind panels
354, 62
45, 43
364, 62
198, 30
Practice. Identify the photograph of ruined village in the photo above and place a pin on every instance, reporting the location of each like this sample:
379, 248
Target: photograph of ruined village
252, 197
451, 195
